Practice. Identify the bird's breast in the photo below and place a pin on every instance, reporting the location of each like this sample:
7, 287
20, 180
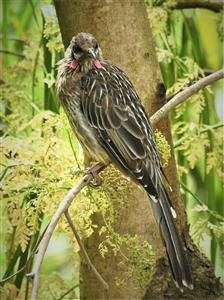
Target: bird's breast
70, 97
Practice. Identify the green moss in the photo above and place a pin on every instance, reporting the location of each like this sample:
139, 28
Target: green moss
137, 257
163, 147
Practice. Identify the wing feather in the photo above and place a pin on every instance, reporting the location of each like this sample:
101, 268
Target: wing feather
134, 144
107, 103
113, 118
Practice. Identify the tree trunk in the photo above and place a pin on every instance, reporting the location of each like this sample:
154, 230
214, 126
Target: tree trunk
122, 29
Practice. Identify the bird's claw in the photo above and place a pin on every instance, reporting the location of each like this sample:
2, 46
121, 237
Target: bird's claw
94, 171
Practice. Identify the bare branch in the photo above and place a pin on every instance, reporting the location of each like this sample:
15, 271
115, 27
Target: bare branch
28, 260
207, 128
215, 5
85, 255
68, 292
14, 38
63, 207
5, 51
46, 238
185, 94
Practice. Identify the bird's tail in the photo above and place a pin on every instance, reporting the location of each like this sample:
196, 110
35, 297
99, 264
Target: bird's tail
165, 214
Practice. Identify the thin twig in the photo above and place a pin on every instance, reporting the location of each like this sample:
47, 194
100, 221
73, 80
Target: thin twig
73, 150
14, 38
207, 128
19, 54
35, 70
34, 13
201, 203
68, 292
85, 255
207, 72
185, 94
64, 205
28, 260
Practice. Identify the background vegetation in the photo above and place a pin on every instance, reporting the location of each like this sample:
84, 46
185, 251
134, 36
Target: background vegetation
41, 158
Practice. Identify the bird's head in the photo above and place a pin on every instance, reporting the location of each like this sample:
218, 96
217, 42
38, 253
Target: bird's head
84, 51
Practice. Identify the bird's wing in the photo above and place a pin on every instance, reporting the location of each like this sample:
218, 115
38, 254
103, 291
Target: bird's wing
111, 105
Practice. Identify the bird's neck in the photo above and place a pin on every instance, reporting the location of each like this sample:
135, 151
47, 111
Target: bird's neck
67, 68
86, 66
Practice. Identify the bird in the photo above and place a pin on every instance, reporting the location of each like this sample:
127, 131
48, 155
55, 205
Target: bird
109, 120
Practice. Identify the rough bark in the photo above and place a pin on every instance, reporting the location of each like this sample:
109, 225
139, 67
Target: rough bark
123, 31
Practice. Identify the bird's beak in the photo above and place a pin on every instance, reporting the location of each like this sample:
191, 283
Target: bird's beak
91, 53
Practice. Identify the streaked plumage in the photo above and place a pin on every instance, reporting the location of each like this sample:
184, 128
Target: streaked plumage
110, 122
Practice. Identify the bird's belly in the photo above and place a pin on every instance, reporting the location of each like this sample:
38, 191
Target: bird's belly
85, 133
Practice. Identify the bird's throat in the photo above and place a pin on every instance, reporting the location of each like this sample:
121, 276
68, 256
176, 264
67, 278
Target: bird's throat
74, 64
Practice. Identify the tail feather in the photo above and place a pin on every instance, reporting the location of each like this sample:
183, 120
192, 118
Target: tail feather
174, 246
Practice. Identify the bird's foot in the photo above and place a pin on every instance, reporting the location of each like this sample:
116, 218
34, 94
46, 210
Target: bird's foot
94, 171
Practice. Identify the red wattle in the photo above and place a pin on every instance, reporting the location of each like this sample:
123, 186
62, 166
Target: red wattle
97, 64
74, 64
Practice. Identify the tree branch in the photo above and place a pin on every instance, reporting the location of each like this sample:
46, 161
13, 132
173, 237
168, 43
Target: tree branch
215, 5
185, 94
207, 128
4, 279
62, 209
5, 51
14, 38
68, 292
85, 255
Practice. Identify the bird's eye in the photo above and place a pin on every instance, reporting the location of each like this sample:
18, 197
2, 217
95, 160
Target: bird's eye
77, 49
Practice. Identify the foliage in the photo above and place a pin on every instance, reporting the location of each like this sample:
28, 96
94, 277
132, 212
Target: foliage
52, 34
205, 227
41, 166
33, 145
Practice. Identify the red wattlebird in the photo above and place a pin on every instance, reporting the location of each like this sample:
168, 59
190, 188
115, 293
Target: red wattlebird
109, 120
